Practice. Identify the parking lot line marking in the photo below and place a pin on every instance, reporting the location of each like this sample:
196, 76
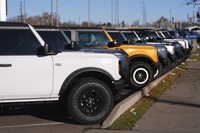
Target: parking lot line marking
32, 125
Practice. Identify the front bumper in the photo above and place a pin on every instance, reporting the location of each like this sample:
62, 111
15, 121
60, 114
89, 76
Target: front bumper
163, 60
157, 65
119, 84
174, 58
125, 74
188, 53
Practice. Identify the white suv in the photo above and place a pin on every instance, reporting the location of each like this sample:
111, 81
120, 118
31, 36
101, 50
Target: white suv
31, 70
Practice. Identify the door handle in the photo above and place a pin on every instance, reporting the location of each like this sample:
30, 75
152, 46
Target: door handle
5, 65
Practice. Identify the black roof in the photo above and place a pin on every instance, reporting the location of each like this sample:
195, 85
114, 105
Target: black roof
122, 29
13, 24
44, 27
93, 28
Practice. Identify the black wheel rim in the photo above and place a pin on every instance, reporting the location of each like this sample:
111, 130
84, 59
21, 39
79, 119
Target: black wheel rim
91, 102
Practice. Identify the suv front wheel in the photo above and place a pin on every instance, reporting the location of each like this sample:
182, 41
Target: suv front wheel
90, 101
141, 75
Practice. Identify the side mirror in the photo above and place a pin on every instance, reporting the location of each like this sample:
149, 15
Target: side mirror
111, 44
139, 41
48, 49
72, 45
127, 42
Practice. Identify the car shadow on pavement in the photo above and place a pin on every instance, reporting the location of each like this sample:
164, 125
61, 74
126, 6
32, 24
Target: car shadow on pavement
50, 112
193, 69
175, 102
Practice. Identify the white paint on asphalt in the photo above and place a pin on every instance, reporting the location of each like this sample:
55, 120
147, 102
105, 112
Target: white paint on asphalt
32, 125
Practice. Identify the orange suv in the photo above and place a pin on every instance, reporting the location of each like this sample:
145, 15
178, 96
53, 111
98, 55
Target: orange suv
143, 60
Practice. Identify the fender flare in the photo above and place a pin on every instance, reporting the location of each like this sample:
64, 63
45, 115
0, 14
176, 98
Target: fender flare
79, 72
141, 56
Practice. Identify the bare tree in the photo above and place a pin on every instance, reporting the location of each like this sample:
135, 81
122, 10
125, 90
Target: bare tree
192, 2
136, 23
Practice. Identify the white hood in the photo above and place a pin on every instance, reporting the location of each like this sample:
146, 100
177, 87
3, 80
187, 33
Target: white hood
170, 49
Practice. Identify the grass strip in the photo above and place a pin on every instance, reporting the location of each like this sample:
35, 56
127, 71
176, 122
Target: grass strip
127, 120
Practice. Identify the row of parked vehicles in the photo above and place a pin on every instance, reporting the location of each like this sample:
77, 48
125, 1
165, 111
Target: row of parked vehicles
81, 68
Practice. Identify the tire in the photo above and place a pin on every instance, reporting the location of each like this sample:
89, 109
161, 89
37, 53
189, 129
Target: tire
141, 75
180, 58
175, 63
158, 72
168, 66
90, 101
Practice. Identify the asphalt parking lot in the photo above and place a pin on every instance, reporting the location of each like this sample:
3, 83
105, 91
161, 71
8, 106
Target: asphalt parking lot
43, 118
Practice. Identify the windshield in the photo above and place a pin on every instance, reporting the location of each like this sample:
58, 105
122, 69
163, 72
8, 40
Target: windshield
92, 38
131, 36
54, 38
167, 35
151, 34
117, 36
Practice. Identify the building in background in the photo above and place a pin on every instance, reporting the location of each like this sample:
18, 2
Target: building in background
3, 10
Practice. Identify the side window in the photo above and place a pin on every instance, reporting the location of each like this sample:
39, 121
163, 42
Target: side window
118, 37
84, 39
18, 42
54, 38
68, 33
91, 39
102, 39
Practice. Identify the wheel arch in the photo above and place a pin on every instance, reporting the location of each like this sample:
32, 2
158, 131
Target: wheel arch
161, 59
169, 56
86, 73
141, 58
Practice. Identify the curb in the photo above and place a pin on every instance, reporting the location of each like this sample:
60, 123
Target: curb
124, 105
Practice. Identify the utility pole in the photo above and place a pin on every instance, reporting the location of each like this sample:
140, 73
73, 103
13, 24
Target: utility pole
115, 12
170, 18
24, 11
57, 13
51, 12
21, 15
88, 13
193, 18
144, 15
117, 6
112, 12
